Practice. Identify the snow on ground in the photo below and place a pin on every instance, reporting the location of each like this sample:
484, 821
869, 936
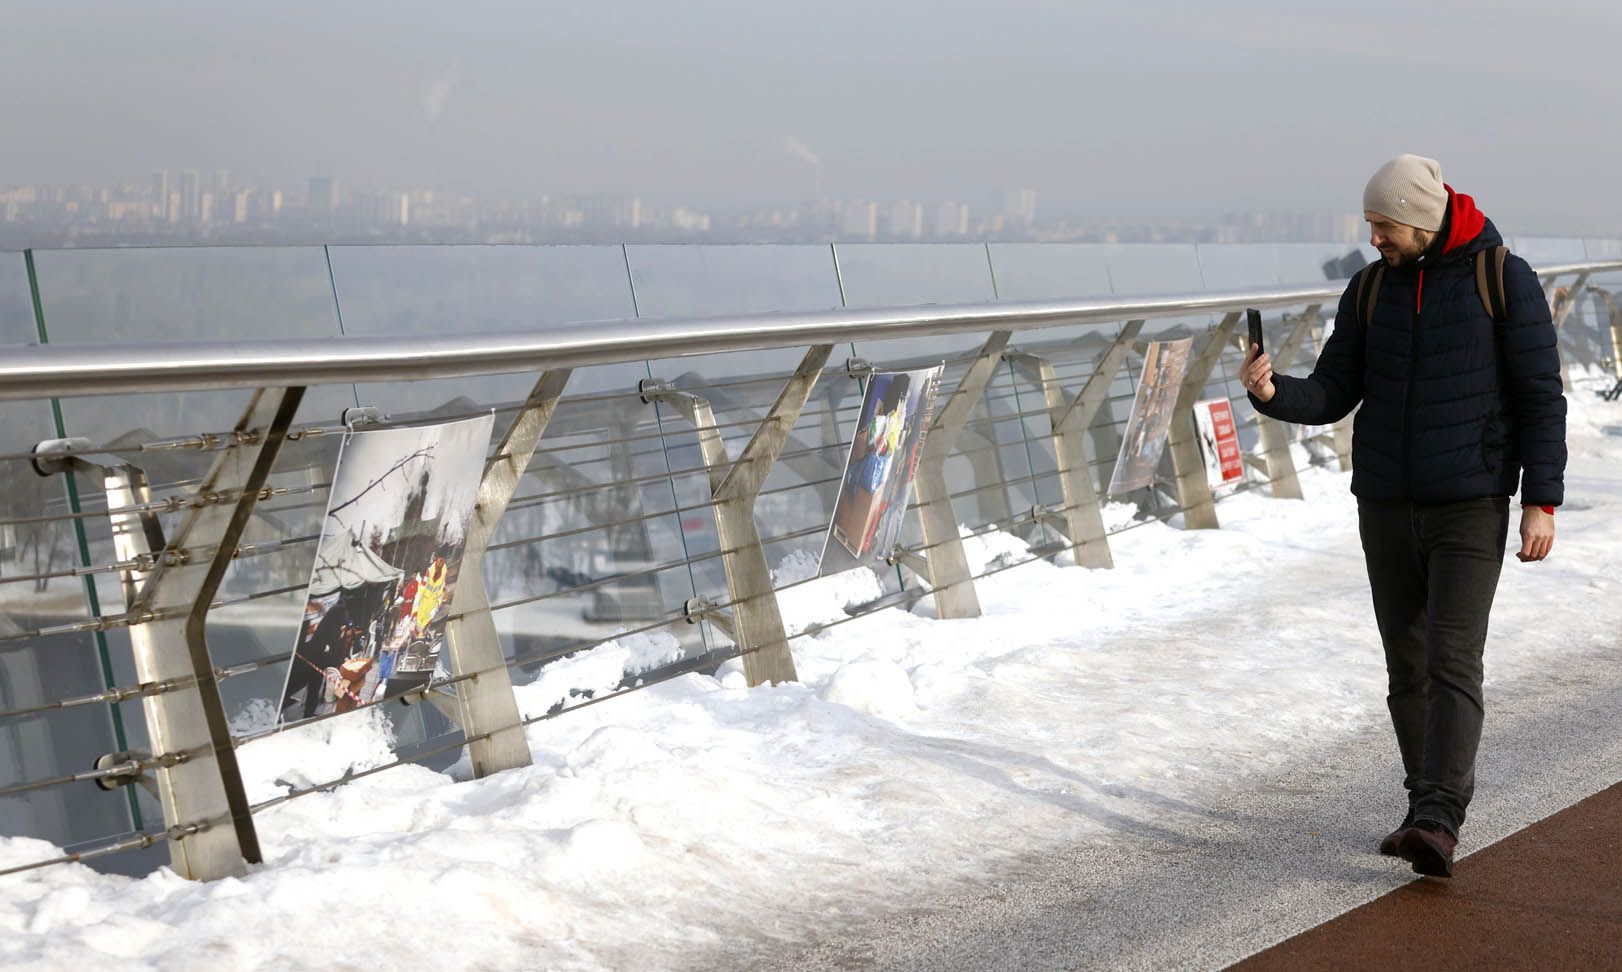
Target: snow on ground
915, 753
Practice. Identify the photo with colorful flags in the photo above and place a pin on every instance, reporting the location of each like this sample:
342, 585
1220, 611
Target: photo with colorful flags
385, 566
877, 485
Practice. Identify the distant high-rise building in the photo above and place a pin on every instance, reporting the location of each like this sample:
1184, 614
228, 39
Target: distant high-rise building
859, 220
241, 204
160, 195
906, 221
387, 209
191, 201
222, 183
628, 214
952, 219
1019, 206
689, 221
323, 196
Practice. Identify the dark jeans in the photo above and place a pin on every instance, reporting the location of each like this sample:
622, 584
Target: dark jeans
1433, 571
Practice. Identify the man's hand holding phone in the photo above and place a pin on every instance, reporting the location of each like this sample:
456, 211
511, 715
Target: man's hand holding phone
1257, 373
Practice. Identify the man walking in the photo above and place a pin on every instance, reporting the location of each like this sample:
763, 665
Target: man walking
1458, 409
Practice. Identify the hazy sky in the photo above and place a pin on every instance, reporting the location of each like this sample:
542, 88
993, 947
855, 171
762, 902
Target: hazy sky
1138, 109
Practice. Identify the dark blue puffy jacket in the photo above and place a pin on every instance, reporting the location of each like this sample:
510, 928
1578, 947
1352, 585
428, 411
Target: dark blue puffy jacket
1454, 406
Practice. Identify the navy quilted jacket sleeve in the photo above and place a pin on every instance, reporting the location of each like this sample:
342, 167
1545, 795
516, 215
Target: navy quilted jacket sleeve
1336, 384
1531, 372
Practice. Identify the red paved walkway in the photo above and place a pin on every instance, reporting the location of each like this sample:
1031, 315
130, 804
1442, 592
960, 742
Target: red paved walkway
1548, 897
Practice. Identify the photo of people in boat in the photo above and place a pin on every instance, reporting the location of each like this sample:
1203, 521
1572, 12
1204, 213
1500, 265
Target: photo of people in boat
877, 485
386, 565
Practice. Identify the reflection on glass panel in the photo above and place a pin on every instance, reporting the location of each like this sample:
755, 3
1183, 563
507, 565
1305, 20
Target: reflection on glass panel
16, 306
1239, 266
440, 290
1584, 340
989, 474
179, 294
1602, 249
741, 387
1544, 250
1138, 270
1313, 263
1034, 271
898, 274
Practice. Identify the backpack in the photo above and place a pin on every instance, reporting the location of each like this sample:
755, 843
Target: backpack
1489, 284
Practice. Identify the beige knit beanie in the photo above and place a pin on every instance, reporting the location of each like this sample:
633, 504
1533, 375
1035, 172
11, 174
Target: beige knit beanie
1409, 190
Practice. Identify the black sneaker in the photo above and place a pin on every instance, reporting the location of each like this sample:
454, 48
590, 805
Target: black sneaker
1428, 846
1388, 844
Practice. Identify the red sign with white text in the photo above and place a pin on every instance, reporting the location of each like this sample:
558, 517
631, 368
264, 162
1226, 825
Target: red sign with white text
1219, 440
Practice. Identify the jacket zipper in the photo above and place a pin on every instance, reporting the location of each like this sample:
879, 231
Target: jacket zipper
1408, 399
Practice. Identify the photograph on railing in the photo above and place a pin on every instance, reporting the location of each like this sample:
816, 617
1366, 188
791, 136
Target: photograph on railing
1219, 442
386, 566
876, 488
1164, 364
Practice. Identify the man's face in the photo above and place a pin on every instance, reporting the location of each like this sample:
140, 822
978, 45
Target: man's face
1398, 243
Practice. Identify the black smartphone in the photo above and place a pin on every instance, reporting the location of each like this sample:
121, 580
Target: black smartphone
1254, 317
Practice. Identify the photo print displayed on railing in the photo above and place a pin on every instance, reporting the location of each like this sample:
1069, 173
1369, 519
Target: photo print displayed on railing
386, 565
1219, 442
1164, 365
876, 488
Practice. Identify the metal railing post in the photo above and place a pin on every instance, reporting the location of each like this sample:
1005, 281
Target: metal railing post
210, 826
1279, 465
1193, 489
948, 572
755, 622
485, 706
1082, 521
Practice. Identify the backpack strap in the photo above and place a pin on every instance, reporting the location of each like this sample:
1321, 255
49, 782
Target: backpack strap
1369, 280
1490, 282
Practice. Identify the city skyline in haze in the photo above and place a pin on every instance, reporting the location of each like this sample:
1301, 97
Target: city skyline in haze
1158, 112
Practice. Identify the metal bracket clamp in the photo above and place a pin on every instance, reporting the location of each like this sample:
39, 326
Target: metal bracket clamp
359, 416
859, 368
1275, 437
912, 560
137, 533
128, 763
169, 645
696, 609
484, 705
1193, 490
954, 592
756, 621
1082, 522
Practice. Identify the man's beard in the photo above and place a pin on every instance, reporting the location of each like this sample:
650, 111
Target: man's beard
1398, 258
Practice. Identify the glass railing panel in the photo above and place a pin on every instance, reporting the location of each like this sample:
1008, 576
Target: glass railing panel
1604, 297
797, 497
990, 472
37, 548
201, 294
1584, 337
594, 504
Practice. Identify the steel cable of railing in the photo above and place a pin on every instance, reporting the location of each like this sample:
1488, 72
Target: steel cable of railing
139, 841
172, 504
129, 767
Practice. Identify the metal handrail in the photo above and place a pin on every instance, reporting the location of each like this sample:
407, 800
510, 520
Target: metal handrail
39, 371
62, 371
